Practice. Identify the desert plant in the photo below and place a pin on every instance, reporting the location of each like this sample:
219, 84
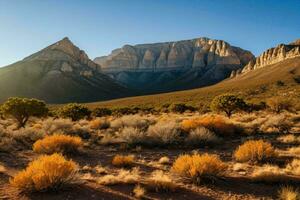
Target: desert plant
294, 167
46, 173
254, 151
133, 136
74, 111
269, 174
123, 161
99, 123
101, 112
278, 104
205, 167
58, 143
214, 123
123, 176
139, 191
181, 108
22, 108
200, 136
160, 181
227, 103
288, 193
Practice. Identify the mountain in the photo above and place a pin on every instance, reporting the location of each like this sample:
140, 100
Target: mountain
170, 66
275, 73
271, 56
57, 74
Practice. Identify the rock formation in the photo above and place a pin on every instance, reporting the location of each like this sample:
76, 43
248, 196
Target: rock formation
272, 56
196, 53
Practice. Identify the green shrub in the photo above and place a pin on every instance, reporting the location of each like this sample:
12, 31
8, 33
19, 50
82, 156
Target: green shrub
227, 103
22, 108
101, 112
181, 108
74, 111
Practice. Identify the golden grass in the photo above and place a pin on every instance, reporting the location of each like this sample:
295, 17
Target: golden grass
215, 123
288, 193
58, 143
200, 167
123, 161
160, 181
294, 167
164, 160
122, 177
254, 151
269, 174
46, 173
139, 191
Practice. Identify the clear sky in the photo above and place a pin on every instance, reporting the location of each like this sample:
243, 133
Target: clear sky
99, 26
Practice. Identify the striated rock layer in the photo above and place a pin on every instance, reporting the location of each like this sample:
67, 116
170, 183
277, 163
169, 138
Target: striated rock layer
271, 56
196, 53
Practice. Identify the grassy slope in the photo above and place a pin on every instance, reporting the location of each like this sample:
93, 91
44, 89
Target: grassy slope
258, 84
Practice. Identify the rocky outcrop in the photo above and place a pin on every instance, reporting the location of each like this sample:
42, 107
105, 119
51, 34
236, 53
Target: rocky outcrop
272, 56
196, 53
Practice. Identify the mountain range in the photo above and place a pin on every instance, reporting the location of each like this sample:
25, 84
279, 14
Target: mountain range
63, 73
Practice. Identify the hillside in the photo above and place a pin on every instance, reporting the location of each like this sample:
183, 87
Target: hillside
59, 73
171, 66
256, 84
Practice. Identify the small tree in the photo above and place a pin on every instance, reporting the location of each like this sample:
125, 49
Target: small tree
278, 104
74, 111
22, 108
227, 103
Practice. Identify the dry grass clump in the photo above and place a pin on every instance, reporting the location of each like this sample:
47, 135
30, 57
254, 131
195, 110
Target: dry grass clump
289, 139
269, 174
99, 123
58, 143
294, 167
46, 173
294, 150
254, 151
135, 121
214, 123
277, 124
164, 160
123, 161
122, 177
288, 193
139, 192
164, 133
132, 136
201, 136
160, 181
205, 167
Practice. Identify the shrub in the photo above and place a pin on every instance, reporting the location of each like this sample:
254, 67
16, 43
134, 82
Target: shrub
289, 139
181, 108
99, 124
124, 111
164, 133
135, 121
294, 167
101, 112
58, 143
227, 103
123, 161
199, 168
46, 173
269, 174
200, 136
133, 136
278, 104
160, 181
74, 111
22, 108
254, 151
164, 160
123, 176
214, 123
139, 192
288, 193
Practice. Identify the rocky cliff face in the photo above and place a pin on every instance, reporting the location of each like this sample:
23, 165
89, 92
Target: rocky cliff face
271, 56
196, 53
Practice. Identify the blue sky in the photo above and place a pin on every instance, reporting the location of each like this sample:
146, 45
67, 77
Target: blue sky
98, 27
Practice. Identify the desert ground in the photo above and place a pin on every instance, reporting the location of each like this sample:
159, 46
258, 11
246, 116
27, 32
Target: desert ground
135, 156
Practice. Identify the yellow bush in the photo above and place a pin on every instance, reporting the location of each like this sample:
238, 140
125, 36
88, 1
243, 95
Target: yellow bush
199, 167
46, 173
58, 143
123, 161
254, 151
215, 123
289, 193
